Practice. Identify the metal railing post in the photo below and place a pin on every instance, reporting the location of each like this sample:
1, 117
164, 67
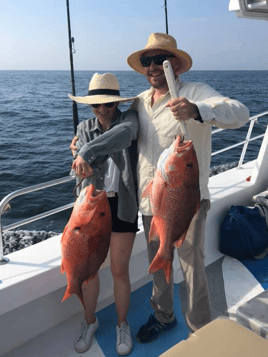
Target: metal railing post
246, 143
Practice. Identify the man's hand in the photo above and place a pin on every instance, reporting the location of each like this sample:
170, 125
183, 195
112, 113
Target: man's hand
73, 147
182, 109
81, 167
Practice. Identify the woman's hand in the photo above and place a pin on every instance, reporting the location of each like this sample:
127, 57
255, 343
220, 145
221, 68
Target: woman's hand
81, 167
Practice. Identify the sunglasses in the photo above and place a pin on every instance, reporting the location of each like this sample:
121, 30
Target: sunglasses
158, 60
107, 105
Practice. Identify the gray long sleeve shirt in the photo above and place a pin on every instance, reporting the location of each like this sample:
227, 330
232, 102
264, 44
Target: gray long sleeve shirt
119, 143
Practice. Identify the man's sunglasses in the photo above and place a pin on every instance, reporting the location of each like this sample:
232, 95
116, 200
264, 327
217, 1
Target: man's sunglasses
158, 60
107, 105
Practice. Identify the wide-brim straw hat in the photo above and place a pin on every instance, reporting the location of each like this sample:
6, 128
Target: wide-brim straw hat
103, 88
161, 41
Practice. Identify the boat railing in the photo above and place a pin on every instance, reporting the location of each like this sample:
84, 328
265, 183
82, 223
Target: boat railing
26, 190
4, 203
245, 142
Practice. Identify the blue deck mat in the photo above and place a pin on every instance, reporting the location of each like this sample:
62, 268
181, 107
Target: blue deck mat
139, 312
259, 268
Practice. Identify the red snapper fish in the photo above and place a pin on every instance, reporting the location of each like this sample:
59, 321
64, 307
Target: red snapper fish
175, 198
86, 239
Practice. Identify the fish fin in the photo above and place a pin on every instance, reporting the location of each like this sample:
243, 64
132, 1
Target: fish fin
90, 278
63, 234
62, 270
160, 263
153, 236
178, 243
148, 189
66, 295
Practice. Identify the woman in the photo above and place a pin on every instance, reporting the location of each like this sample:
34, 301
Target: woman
106, 157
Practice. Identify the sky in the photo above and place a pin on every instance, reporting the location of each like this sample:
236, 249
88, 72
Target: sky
34, 34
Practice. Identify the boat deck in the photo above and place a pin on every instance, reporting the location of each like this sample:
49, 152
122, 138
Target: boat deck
249, 276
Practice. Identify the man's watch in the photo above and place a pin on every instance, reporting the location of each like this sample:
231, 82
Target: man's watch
199, 118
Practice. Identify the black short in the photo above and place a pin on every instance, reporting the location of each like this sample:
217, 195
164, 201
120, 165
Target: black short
117, 224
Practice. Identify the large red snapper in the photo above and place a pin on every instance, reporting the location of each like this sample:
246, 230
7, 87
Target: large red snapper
175, 198
86, 239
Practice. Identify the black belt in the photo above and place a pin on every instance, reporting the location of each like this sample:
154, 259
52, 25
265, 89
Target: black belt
111, 194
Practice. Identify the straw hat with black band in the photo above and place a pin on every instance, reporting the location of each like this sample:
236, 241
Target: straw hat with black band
103, 88
160, 41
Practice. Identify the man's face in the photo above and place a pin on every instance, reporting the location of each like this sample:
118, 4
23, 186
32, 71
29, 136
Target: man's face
155, 73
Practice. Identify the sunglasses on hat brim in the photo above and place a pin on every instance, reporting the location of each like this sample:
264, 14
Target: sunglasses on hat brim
107, 105
158, 59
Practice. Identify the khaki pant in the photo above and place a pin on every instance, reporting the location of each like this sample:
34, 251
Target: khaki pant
191, 255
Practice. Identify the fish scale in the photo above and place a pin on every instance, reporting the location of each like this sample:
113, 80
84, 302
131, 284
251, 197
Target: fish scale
175, 198
86, 239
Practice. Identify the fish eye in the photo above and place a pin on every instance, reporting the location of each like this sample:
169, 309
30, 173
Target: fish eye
102, 214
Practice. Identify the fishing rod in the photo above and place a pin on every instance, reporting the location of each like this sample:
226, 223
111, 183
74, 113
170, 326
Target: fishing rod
166, 16
71, 51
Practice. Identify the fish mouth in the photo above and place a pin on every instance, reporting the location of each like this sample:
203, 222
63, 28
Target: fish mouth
181, 145
96, 194
90, 192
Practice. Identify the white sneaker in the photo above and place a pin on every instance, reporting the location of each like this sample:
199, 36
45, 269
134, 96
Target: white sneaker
123, 340
86, 334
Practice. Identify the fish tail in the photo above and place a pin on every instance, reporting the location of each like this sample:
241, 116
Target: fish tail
161, 263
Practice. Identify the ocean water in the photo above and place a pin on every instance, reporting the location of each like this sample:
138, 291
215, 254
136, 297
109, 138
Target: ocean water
37, 128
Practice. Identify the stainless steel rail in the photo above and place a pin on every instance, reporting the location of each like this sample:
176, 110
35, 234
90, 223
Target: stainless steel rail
245, 142
23, 191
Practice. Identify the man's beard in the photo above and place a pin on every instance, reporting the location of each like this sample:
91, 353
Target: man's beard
156, 82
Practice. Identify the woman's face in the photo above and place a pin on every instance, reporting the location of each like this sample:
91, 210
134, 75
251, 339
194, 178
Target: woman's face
104, 112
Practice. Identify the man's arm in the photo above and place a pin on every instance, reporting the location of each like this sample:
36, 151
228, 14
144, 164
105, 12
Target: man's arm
214, 109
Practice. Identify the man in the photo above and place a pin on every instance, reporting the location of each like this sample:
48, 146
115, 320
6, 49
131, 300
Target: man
200, 107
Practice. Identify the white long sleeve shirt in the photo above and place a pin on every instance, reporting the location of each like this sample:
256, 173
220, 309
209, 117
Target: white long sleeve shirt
158, 129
